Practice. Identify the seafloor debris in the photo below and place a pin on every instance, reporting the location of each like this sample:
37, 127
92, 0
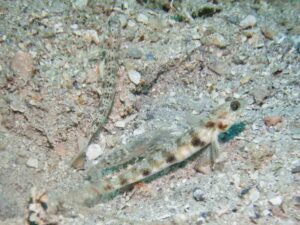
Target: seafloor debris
37, 210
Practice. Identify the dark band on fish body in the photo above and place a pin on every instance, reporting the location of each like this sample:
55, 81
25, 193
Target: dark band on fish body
171, 158
123, 180
222, 126
146, 172
210, 124
196, 141
108, 187
95, 190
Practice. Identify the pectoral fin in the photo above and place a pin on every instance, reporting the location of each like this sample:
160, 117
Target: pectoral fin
214, 151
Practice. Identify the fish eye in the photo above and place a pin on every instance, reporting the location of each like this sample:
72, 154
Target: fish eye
235, 105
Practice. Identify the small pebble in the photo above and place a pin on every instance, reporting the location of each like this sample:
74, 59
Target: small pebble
259, 154
131, 23
205, 214
180, 218
219, 67
248, 22
254, 195
134, 76
134, 53
74, 26
218, 40
120, 124
60, 149
269, 32
297, 200
142, 19
150, 56
32, 163
78, 162
93, 151
266, 212
276, 201
245, 79
198, 195
123, 20
255, 214
22, 64
272, 120
124, 5
3, 141
296, 169
296, 137
93, 74
79, 4
223, 157
260, 94
278, 212
249, 33
58, 28
203, 169
236, 180
91, 36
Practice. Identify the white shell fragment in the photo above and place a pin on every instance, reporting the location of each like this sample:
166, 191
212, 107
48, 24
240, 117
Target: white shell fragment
134, 76
93, 152
32, 163
276, 200
254, 195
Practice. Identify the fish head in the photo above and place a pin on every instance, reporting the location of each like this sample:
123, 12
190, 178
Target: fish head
226, 115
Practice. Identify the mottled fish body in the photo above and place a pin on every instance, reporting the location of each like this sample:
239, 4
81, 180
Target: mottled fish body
196, 139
